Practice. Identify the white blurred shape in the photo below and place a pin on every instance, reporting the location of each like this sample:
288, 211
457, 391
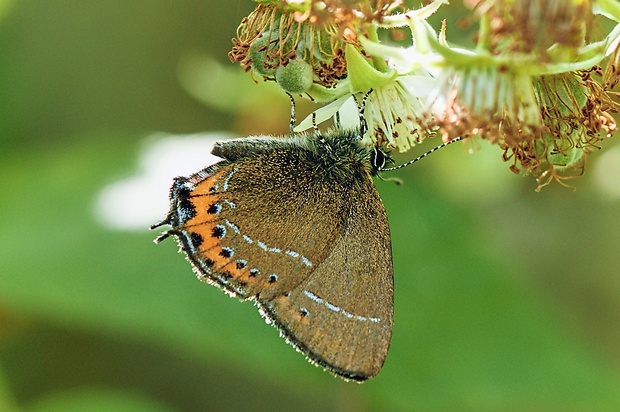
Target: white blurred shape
141, 200
607, 172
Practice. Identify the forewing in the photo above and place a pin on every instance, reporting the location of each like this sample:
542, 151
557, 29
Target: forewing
257, 226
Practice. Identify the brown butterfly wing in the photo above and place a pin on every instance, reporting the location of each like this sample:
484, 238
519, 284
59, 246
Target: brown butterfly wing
341, 317
313, 252
246, 235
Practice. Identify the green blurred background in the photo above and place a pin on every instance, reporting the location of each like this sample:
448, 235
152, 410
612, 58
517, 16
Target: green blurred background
506, 299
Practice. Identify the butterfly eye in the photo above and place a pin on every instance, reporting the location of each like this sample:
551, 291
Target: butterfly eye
377, 159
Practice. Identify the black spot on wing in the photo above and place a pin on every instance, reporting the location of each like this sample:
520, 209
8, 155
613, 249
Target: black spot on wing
196, 239
226, 252
214, 209
218, 231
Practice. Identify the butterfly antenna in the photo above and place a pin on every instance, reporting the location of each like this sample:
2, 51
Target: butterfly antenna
292, 124
389, 169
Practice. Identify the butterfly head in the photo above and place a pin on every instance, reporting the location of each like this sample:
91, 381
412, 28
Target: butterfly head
379, 158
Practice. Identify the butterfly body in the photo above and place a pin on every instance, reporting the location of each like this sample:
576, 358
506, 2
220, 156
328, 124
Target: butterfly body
297, 226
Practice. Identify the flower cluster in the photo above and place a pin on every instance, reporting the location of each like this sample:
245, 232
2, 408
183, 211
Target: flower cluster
536, 82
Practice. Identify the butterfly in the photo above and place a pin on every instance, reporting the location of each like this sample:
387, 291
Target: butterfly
296, 225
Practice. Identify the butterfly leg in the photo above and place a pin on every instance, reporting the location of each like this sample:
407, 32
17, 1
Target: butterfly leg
292, 123
361, 107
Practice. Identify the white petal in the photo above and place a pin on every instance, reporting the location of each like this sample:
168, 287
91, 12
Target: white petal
418, 86
323, 114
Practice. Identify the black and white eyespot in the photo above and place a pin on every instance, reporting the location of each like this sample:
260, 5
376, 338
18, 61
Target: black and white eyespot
227, 252
219, 231
181, 188
208, 262
196, 239
214, 209
185, 210
241, 263
273, 278
254, 272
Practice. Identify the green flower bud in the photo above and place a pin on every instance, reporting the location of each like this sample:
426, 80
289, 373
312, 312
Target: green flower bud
262, 62
565, 159
296, 77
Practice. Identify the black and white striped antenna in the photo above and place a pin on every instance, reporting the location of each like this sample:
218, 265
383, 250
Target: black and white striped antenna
389, 169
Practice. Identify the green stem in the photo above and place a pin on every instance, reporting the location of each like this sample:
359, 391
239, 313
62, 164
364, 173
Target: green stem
483, 34
377, 61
